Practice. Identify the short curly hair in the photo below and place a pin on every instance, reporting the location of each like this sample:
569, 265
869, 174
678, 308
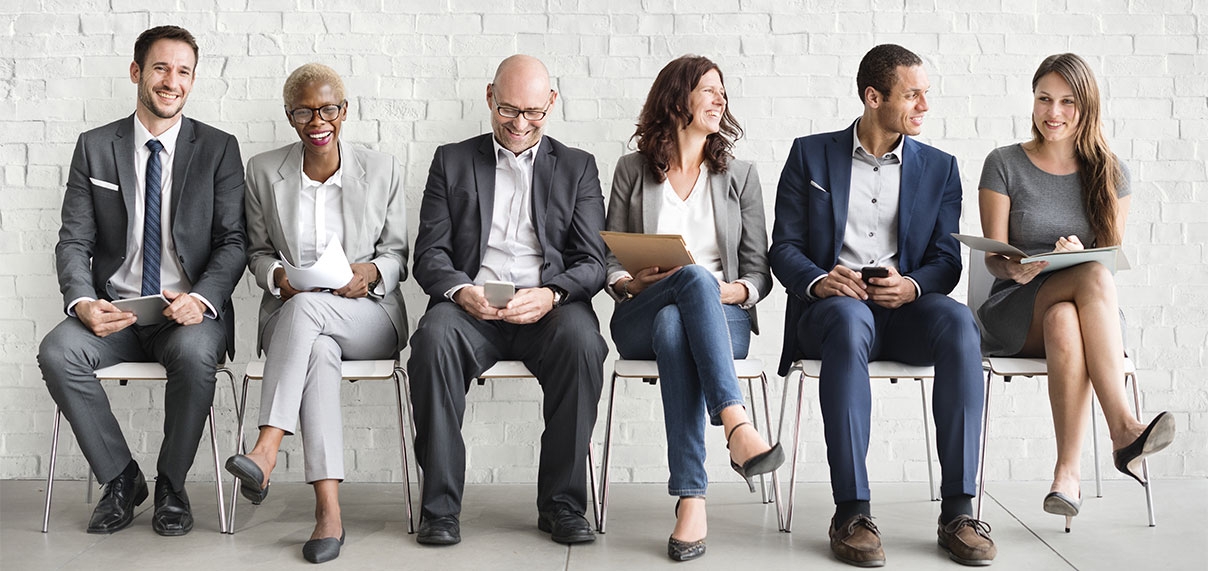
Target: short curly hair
879, 68
311, 73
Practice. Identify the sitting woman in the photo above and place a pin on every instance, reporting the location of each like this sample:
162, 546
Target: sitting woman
303, 199
693, 320
1062, 190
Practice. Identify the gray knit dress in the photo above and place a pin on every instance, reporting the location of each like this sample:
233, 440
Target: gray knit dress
1044, 207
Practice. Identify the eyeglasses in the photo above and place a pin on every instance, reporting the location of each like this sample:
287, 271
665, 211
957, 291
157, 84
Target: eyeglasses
512, 112
303, 115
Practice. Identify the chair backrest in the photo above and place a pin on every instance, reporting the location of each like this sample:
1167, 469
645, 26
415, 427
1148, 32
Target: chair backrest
980, 282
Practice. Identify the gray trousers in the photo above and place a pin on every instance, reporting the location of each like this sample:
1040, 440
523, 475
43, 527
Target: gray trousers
305, 341
70, 354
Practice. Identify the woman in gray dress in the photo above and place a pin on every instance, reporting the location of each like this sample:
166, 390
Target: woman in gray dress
1060, 191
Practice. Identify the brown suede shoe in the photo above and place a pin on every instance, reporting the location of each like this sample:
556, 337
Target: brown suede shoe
857, 542
967, 541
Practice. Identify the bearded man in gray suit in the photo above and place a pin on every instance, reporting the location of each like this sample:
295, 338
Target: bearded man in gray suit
153, 205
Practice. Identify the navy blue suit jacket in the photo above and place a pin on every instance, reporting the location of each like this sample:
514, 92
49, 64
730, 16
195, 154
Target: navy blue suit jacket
808, 231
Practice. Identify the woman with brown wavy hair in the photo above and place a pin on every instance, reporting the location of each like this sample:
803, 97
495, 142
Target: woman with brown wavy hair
693, 320
1064, 190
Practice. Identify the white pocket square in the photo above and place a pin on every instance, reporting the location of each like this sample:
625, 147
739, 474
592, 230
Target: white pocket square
819, 187
102, 184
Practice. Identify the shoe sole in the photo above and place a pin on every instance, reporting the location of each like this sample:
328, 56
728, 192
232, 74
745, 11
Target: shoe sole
1059, 506
874, 563
173, 533
563, 539
1161, 437
962, 561
438, 540
139, 498
249, 484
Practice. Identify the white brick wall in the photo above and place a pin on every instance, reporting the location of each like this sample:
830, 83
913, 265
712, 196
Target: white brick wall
416, 71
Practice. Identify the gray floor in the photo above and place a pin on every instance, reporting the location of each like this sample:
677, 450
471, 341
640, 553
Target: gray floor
499, 532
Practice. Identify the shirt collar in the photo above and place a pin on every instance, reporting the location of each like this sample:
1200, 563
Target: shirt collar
167, 138
528, 156
336, 178
857, 148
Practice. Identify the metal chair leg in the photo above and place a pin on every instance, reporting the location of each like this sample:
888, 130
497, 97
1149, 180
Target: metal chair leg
1153, 521
981, 464
1095, 449
591, 475
935, 496
767, 414
604, 471
240, 409
788, 518
763, 483
222, 520
399, 374
50, 474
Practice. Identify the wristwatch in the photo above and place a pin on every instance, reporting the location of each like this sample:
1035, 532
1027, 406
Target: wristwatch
559, 295
626, 295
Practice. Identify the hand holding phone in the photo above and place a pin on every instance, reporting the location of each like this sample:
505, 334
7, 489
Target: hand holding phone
498, 294
873, 272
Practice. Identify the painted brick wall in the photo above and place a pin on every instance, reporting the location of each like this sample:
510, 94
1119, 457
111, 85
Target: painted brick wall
416, 72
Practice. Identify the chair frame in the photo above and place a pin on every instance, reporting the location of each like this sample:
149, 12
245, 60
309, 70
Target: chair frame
124, 372
351, 371
892, 370
647, 371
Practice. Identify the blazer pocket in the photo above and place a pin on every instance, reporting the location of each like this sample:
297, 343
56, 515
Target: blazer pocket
818, 187
103, 184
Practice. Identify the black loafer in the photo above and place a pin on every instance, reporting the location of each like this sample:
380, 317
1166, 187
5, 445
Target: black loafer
442, 530
173, 515
322, 550
566, 526
115, 510
250, 475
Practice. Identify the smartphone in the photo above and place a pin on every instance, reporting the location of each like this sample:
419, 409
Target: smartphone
498, 294
873, 272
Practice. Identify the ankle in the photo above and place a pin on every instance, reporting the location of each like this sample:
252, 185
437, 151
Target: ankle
847, 510
953, 506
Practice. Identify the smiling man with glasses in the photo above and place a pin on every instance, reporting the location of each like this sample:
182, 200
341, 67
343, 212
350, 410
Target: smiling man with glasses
511, 206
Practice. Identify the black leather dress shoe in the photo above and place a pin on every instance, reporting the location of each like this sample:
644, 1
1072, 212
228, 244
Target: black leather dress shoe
442, 530
566, 526
115, 511
322, 550
173, 516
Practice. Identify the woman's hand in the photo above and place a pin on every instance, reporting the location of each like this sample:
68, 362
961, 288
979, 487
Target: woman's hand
645, 278
1011, 268
733, 293
362, 275
282, 280
1069, 243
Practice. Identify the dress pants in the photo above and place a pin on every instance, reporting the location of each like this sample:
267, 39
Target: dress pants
681, 323
846, 333
305, 341
450, 348
71, 352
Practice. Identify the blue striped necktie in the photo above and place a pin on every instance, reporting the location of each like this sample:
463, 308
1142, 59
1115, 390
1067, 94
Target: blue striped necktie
151, 217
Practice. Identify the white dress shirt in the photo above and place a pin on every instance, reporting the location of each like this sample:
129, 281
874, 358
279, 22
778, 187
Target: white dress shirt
320, 219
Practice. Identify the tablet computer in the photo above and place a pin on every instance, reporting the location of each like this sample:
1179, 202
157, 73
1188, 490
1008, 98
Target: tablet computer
149, 309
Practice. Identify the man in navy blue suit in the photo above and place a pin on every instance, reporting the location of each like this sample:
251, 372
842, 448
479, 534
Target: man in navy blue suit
870, 195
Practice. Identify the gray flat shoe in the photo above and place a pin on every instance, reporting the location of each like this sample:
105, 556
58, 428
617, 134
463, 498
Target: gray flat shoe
322, 550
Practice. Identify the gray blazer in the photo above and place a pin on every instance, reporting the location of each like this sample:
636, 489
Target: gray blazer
375, 221
738, 215
207, 213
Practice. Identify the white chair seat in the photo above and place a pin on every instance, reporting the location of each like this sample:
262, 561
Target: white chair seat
133, 372
507, 370
359, 370
876, 370
1033, 367
746, 369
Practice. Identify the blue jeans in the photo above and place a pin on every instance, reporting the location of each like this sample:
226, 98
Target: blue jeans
681, 323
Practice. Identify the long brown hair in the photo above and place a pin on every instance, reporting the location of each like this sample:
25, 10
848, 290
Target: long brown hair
666, 112
1098, 169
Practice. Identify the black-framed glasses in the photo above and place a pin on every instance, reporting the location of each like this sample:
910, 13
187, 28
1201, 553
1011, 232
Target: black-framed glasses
303, 115
512, 112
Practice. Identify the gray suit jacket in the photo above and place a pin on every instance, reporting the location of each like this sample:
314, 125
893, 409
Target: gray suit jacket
455, 217
375, 221
207, 213
738, 216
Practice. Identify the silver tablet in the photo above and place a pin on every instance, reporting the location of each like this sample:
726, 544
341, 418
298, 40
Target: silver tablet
149, 309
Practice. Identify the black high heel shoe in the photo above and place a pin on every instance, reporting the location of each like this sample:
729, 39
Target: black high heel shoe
1158, 435
679, 550
1061, 504
761, 463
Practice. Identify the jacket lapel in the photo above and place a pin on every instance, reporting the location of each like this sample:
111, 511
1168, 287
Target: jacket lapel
286, 189
727, 229
650, 201
180, 172
908, 189
123, 157
543, 179
484, 180
838, 161
352, 198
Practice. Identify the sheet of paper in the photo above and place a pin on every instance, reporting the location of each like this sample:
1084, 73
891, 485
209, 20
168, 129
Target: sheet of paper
330, 271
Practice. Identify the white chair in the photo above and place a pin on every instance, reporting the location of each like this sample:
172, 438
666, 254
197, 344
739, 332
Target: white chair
891, 370
980, 282
123, 373
648, 371
353, 371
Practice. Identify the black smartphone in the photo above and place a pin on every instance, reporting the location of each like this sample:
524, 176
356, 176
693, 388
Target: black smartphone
873, 272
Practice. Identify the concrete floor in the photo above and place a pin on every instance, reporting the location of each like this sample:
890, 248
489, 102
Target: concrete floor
499, 531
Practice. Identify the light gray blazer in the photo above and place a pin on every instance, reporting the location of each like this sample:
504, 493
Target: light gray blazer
375, 221
738, 216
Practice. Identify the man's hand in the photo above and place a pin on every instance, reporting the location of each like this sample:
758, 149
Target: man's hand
282, 280
892, 291
362, 275
102, 317
841, 280
184, 308
472, 299
529, 305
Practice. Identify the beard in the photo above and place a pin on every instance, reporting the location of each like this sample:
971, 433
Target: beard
146, 96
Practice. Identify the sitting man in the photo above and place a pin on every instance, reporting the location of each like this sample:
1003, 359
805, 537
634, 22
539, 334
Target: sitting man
518, 207
154, 205
869, 195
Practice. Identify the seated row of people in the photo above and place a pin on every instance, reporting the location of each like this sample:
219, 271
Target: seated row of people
156, 204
